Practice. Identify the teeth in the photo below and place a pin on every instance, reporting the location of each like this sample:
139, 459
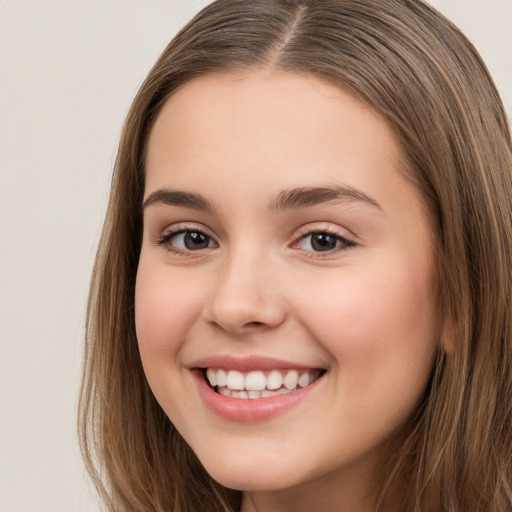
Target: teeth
224, 391
274, 380
255, 381
252, 394
235, 380
221, 377
291, 379
211, 376
256, 384
304, 380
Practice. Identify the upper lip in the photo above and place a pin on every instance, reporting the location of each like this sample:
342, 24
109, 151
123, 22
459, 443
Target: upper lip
248, 363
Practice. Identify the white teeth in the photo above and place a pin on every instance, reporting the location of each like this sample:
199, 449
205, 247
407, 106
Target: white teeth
224, 391
291, 379
255, 381
256, 384
221, 378
252, 394
211, 375
304, 380
235, 380
274, 380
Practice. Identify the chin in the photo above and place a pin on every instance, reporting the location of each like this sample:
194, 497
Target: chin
251, 475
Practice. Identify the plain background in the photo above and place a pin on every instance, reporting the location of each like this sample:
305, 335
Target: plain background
68, 72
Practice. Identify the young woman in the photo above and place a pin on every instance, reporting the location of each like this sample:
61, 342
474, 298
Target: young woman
302, 295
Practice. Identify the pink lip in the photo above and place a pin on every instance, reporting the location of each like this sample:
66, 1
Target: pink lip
246, 364
249, 410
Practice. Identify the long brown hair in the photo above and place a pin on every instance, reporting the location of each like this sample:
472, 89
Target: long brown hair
424, 77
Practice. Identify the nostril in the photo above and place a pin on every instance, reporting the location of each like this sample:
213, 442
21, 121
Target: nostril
253, 324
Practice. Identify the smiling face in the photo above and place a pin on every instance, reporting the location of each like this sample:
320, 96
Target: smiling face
282, 242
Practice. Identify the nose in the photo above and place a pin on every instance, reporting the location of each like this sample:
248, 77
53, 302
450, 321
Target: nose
246, 296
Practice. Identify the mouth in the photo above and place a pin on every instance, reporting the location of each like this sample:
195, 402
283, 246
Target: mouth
259, 383
255, 388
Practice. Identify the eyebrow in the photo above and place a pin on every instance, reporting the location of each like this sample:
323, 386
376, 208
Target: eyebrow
302, 197
178, 198
305, 197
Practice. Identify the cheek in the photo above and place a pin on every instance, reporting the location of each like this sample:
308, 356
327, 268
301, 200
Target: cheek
165, 308
378, 324
378, 329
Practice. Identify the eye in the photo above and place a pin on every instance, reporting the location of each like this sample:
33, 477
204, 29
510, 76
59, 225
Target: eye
185, 240
191, 240
323, 241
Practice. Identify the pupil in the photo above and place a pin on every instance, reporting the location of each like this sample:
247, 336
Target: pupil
323, 242
195, 240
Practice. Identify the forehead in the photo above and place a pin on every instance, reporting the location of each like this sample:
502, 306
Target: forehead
267, 95
266, 120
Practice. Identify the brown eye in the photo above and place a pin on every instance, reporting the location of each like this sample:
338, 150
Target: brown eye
187, 240
195, 240
323, 241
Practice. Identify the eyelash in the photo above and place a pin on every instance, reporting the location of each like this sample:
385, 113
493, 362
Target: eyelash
343, 243
165, 238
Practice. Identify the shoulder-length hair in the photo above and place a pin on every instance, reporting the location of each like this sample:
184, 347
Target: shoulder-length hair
423, 76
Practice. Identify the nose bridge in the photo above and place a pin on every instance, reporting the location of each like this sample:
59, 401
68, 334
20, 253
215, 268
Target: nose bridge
246, 294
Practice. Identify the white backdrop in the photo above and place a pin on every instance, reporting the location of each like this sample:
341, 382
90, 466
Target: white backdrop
68, 72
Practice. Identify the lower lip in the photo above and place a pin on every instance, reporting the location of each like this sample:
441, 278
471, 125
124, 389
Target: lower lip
249, 410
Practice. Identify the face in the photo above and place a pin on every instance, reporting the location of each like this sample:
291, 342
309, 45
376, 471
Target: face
284, 297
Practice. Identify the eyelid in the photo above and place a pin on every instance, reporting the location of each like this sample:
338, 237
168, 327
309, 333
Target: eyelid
335, 231
164, 237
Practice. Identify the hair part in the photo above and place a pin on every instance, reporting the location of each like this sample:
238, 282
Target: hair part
422, 75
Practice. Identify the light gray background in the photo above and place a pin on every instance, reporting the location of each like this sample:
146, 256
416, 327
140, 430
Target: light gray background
68, 72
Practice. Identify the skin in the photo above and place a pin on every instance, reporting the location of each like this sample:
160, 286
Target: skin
365, 313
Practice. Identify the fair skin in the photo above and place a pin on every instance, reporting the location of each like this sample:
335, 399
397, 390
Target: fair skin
236, 274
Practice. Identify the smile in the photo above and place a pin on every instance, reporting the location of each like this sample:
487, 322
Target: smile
259, 384
254, 388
